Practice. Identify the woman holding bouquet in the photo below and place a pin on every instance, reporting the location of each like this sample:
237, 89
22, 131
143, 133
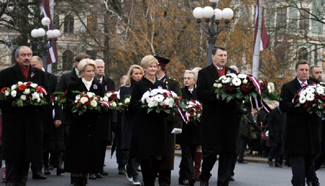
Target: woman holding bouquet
134, 74
82, 152
148, 144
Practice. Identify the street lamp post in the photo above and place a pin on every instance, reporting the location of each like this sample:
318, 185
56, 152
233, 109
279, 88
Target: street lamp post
213, 17
49, 37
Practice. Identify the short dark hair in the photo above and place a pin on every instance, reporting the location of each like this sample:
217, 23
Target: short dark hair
301, 62
215, 48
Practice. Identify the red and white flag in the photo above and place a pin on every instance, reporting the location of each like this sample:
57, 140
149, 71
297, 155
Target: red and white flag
53, 54
264, 40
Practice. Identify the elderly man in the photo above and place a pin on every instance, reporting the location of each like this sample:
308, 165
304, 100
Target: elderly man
220, 121
22, 126
302, 136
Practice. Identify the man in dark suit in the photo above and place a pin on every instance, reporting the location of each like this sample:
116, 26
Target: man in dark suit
302, 131
220, 121
174, 124
22, 126
106, 117
65, 80
190, 138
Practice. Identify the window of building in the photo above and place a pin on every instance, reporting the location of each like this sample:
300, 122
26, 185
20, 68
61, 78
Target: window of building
303, 54
304, 19
281, 20
68, 24
67, 60
92, 22
56, 22
92, 54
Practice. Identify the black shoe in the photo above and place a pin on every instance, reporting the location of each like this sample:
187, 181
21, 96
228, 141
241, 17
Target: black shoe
98, 175
92, 176
184, 182
204, 183
308, 183
231, 178
51, 167
278, 165
47, 170
39, 176
104, 173
242, 162
121, 171
270, 163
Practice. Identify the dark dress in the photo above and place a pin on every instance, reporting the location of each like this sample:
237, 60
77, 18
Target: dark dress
82, 153
128, 119
149, 134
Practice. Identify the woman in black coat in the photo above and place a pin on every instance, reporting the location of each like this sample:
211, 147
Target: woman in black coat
82, 152
148, 143
134, 74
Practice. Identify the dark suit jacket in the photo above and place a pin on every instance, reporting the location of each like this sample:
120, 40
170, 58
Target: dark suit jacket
303, 130
22, 126
220, 120
191, 133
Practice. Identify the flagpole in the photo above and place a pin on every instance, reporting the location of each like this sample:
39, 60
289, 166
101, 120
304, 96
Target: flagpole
256, 57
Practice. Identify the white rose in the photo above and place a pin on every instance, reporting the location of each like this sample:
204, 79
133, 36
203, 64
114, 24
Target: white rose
90, 94
14, 93
219, 85
93, 103
19, 83
310, 97
105, 98
35, 96
113, 104
13, 87
34, 85
83, 100
270, 87
127, 100
23, 97
27, 91
302, 99
169, 102
215, 85
245, 81
6, 93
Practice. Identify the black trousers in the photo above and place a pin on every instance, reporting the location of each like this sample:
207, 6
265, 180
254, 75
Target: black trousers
164, 178
225, 166
275, 153
302, 168
17, 173
186, 170
121, 160
132, 165
320, 159
242, 146
103, 147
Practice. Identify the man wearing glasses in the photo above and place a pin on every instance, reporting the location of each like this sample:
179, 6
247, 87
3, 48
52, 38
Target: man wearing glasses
22, 126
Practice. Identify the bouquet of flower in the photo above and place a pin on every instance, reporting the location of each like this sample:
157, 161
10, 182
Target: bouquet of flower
59, 97
125, 103
85, 101
159, 100
25, 93
192, 109
110, 100
311, 98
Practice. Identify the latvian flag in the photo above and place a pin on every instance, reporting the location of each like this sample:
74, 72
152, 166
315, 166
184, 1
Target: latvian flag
264, 37
53, 54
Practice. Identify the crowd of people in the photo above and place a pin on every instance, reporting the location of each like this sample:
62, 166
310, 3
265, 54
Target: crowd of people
53, 137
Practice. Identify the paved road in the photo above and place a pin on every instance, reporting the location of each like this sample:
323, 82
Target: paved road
251, 174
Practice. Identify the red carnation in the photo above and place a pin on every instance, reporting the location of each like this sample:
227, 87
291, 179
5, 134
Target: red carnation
28, 83
87, 103
65, 92
164, 106
3, 89
113, 97
165, 94
22, 87
305, 106
229, 89
39, 89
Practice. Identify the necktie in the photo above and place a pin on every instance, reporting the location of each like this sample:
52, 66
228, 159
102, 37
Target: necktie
303, 84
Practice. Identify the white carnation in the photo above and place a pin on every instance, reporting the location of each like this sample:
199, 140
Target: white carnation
27, 91
242, 76
23, 97
226, 80
310, 97
35, 96
19, 83
90, 94
127, 100
302, 99
152, 104
310, 90
159, 98
7, 93
320, 90
219, 85
34, 85
83, 100
13, 87
169, 102
236, 81
14, 93
93, 103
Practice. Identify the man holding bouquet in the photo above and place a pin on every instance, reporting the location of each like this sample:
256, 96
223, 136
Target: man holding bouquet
22, 126
220, 121
302, 130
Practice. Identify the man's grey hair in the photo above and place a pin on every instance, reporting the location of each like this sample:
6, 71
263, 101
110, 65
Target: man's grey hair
18, 50
99, 60
191, 72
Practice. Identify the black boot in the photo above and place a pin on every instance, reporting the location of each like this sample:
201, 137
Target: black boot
60, 168
84, 181
77, 181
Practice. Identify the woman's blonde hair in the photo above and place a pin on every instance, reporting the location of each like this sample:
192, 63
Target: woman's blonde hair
127, 81
147, 60
85, 62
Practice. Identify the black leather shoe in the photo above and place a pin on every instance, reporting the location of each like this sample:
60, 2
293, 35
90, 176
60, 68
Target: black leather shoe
270, 163
104, 173
98, 175
308, 183
184, 182
243, 162
39, 176
92, 176
121, 172
231, 178
204, 183
278, 165
47, 170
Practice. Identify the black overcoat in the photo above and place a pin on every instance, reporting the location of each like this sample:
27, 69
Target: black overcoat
22, 126
128, 119
149, 133
191, 133
303, 130
220, 120
274, 124
82, 152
